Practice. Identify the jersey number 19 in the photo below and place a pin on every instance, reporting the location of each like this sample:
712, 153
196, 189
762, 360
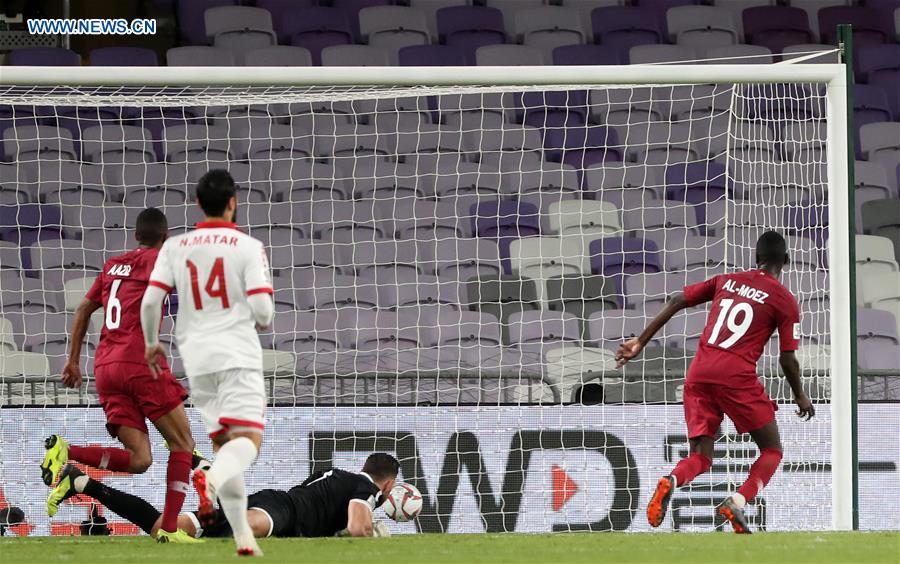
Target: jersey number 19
215, 283
728, 315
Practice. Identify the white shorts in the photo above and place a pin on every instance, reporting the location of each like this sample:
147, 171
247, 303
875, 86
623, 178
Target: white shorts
230, 398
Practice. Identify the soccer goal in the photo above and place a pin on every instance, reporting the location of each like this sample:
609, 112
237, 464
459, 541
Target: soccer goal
457, 252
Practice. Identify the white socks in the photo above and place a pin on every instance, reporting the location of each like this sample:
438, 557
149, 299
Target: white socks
739, 500
226, 482
232, 460
233, 500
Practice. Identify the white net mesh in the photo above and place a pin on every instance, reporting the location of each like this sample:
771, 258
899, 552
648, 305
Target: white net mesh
453, 269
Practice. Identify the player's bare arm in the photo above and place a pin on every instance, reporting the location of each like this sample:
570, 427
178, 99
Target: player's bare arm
71, 374
359, 519
791, 369
151, 309
632, 347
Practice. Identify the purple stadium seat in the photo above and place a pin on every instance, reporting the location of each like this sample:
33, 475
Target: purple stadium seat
660, 7
123, 57
504, 221
615, 255
652, 287
26, 224
557, 108
587, 55
191, 24
880, 65
432, 56
281, 9
582, 147
44, 57
316, 28
776, 27
876, 325
470, 27
623, 27
696, 183
870, 105
869, 26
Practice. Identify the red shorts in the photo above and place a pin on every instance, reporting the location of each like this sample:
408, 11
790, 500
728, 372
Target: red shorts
704, 405
129, 394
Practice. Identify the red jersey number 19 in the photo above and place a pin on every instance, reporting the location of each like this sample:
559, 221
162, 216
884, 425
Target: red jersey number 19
215, 284
728, 315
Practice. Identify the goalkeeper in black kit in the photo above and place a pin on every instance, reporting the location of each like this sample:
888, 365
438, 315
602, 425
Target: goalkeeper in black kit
326, 504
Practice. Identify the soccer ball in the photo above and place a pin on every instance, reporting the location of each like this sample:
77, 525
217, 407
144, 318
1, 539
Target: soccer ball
403, 503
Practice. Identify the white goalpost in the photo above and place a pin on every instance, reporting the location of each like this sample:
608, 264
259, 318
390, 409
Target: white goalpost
457, 251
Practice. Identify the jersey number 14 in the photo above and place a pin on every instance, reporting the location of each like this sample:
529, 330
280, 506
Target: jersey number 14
215, 283
728, 315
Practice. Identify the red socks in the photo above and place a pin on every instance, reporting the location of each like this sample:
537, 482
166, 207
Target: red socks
177, 479
104, 458
761, 472
689, 468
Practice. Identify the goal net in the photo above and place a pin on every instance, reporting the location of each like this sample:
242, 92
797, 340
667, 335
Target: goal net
454, 267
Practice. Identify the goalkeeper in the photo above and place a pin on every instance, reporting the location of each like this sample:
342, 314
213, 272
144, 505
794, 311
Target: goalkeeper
324, 505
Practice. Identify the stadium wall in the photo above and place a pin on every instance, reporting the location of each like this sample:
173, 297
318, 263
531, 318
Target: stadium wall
528, 469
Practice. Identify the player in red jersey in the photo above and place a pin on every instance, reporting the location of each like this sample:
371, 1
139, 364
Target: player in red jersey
129, 392
748, 307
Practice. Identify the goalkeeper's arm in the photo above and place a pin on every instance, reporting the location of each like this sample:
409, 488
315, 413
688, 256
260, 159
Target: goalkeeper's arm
633, 347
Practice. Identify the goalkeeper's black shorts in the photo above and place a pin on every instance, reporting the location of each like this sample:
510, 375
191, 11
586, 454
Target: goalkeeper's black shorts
276, 504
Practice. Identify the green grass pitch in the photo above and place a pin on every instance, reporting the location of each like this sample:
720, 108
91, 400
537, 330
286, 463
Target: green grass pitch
881, 547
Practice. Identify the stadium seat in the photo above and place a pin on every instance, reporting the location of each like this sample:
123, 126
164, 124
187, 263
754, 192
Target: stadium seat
34, 297
44, 57
470, 27
117, 144
315, 28
24, 365
239, 29
776, 27
583, 218
75, 290
200, 56
648, 54
509, 9
540, 258
871, 183
10, 257
7, 338
876, 326
874, 355
878, 64
624, 27
701, 27
869, 26
14, 185
880, 291
431, 55
548, 27
508, 55
610, 328
191, 22
614, 255
191, 143
625, 185
812, 8
581, 296
582, 146
278, 56
123, 57
39, 142
59, 261
393, 28
26, 223
882, 218
880, 142
355, 55
501, 297
538, 332
586, 55
460, 259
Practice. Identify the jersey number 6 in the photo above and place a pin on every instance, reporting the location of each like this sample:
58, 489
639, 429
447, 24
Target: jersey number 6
215, 284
